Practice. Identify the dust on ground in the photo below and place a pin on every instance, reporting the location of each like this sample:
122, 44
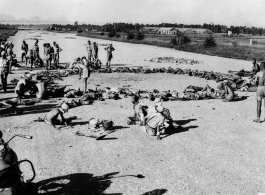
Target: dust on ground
219, 150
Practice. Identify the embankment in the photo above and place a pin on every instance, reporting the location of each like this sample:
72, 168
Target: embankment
6, 33
221, 50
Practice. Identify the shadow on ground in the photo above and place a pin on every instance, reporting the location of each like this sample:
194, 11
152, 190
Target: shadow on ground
33, 109
156, 192
184, 122
241, 99
73, 184
179, 129
76, 184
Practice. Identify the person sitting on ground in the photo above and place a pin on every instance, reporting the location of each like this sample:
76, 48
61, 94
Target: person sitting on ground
227, 93
52, 116
260, 81
156, 123
23, 85
139, 110
255, 67
41, 88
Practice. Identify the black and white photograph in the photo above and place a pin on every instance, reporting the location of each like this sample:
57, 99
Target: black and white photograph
132, 97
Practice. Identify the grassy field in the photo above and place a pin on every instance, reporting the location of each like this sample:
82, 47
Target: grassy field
5, 33
237, 47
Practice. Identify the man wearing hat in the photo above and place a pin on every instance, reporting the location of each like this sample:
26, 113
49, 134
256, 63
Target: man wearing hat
109, 50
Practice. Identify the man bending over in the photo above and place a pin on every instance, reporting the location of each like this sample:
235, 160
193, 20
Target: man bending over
52, 116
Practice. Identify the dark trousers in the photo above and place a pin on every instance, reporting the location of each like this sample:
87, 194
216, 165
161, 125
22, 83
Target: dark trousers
4, 80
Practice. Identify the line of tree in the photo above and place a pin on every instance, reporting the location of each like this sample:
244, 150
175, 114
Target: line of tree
127, 27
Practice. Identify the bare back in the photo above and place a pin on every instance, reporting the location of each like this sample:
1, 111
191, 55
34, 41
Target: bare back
261, 78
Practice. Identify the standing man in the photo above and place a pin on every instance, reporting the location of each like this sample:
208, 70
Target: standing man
36, 50
109, 50
260, 80
48, 55
57, 50
10, 53
84, 65
255, 67
95, 51
89, 51
25, 49
3, 70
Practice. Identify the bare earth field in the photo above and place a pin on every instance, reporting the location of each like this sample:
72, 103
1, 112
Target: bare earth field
219, 150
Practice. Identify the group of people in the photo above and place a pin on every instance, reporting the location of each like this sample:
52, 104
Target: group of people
92, 53
51, 54
32, 56
6, 60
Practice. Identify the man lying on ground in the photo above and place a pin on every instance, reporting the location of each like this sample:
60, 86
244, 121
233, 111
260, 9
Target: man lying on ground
14, 102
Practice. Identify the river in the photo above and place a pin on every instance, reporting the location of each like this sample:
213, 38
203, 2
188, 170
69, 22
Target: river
125, 54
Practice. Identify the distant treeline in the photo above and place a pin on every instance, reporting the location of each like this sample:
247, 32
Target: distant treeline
7, 26
126, 27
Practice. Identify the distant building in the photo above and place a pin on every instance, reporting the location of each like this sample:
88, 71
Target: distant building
166, 31
229, 33
173, 31
150, 30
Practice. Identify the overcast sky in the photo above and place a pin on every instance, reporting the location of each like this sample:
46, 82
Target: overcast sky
227, 12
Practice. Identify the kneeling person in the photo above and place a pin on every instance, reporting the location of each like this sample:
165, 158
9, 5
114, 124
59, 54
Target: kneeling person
156, 122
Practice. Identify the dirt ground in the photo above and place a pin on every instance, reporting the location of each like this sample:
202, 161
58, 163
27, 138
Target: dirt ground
219, 150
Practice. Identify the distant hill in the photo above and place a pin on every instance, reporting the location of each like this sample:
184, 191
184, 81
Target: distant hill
9, 18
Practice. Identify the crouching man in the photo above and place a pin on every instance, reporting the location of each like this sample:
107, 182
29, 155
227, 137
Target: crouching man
156, 123
227, 93
52, 117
